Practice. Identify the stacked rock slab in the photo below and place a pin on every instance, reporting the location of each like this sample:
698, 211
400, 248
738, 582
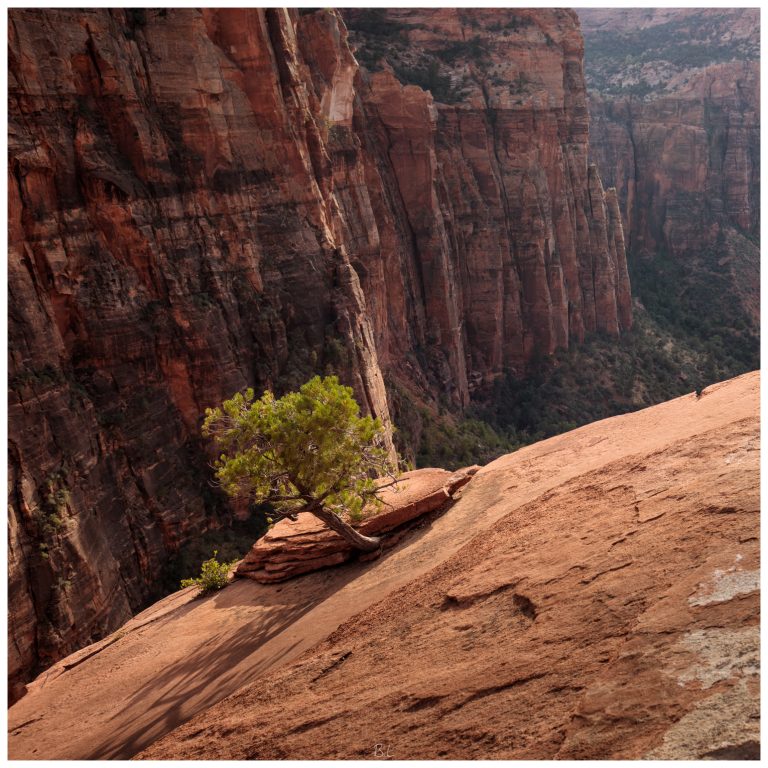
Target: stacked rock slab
294, 547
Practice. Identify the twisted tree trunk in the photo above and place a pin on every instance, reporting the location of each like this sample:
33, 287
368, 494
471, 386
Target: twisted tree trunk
346, 531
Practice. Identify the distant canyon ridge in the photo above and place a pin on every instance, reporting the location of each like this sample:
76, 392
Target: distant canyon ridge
675, 127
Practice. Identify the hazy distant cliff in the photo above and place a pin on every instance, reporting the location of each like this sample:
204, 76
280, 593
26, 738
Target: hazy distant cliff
200, 201
675, 109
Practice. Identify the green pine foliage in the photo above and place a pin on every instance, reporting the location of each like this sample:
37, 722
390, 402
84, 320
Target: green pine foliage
309, 447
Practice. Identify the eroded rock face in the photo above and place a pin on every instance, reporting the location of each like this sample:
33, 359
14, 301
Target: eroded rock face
174, 237
678, 134
201, 201
499, 225
690, 159
293, 547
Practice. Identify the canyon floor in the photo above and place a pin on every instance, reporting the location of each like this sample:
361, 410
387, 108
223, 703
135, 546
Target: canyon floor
595, 595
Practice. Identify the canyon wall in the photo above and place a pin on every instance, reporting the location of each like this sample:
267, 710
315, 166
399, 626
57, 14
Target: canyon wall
675, 109
205, 200
496, 216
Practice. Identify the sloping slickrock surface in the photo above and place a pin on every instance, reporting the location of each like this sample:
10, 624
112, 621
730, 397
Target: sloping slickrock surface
299, 546
614, 615
590, 595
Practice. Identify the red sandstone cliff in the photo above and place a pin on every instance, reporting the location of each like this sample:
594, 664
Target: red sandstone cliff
676, 129
174, 237
497, 220
200, 201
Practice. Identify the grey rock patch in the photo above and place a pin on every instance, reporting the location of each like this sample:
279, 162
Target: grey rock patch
719, 725
725, 585
721, 654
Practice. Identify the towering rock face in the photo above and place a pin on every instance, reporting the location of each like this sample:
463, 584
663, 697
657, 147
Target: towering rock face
676, 129
500, 226
200, 201
174, 238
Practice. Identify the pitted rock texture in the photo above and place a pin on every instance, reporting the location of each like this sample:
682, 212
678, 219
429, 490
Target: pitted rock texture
293, 547
588, 596
205, 200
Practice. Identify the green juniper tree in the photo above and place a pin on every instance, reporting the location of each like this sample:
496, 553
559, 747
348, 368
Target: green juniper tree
306, 451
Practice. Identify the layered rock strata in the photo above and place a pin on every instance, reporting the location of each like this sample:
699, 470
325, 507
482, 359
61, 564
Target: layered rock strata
294, 547
685, 164
676, 129
173, 238
205, 200
481, 140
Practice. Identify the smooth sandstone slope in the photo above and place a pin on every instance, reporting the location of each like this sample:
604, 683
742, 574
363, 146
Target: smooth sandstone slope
538, 592
205, 200
612, 611
181, 655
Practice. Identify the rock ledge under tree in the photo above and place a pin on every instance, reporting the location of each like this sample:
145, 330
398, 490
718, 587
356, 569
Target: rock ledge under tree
292, 548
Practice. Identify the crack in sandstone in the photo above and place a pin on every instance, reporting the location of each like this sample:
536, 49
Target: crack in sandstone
494, 689
333, 665
607, 570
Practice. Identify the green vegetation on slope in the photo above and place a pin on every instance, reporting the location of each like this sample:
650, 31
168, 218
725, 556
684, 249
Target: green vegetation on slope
602, 377
231, 543
378, 39
427, 436
214, 575
616, 60
697, 304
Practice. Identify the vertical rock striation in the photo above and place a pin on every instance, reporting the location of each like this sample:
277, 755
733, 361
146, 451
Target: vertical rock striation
685, 164
174, 237
479, 129
676, 129
205, 200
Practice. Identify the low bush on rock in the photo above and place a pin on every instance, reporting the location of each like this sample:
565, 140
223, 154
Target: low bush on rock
213, 576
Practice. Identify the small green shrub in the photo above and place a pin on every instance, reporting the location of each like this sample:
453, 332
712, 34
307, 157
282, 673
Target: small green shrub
473, 49
213, 576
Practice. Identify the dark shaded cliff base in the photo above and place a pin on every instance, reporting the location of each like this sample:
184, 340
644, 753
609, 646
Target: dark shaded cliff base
591, 596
